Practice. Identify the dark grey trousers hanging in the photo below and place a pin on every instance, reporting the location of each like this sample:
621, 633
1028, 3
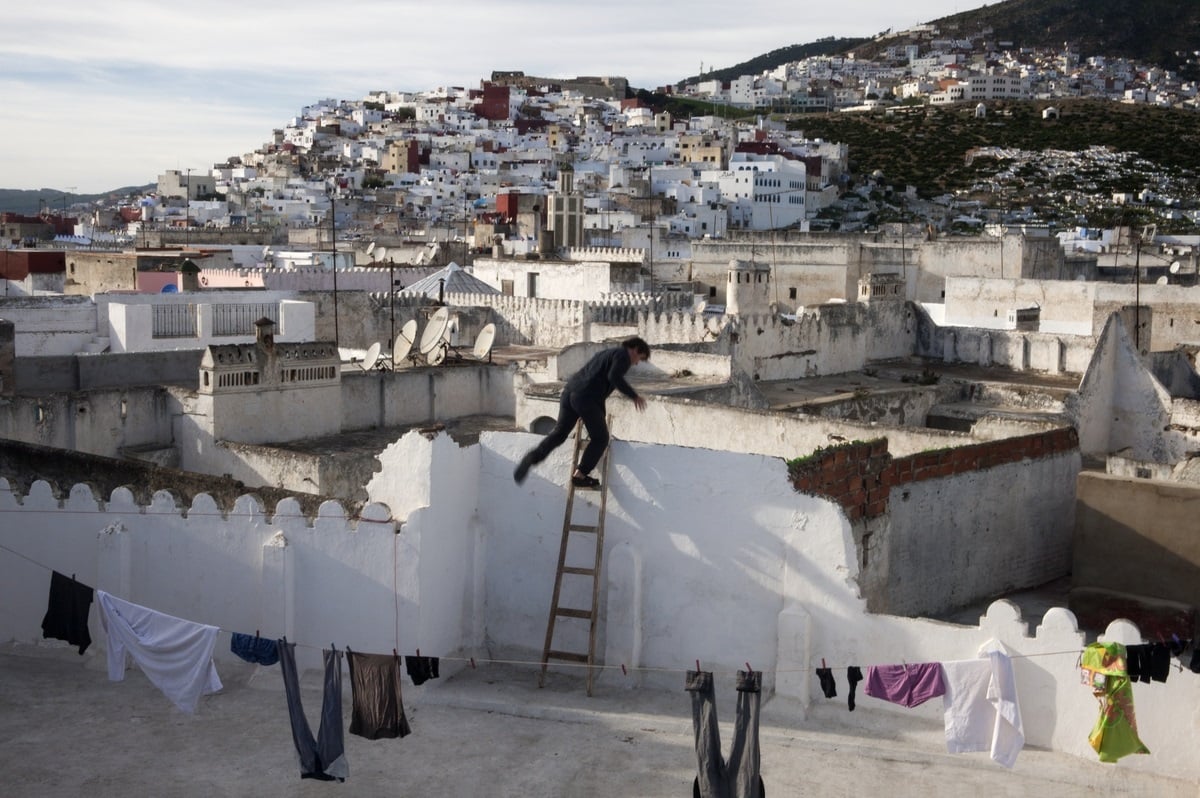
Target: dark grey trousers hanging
739, 776
322, 758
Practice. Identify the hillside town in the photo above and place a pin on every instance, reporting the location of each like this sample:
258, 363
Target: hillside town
295, 394
924, 65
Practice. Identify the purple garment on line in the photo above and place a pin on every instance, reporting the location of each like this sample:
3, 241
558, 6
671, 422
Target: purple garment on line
906, 685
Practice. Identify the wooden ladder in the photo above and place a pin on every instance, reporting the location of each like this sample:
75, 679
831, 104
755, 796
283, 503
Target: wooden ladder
593, 571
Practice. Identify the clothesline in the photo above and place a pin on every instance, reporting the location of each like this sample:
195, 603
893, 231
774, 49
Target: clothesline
625, 669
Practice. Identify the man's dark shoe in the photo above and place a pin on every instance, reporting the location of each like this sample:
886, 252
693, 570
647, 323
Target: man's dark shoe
522, 469
585, 482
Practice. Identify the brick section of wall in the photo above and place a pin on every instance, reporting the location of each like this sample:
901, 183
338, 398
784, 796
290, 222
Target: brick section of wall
860, 475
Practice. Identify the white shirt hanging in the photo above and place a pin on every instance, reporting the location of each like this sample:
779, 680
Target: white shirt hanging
981, 708
176, 655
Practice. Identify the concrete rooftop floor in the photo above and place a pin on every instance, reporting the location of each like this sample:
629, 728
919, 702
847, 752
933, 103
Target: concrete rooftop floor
66, 730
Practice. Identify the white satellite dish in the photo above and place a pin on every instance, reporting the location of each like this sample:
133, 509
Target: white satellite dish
404, 341
372, 356
436, 357
1174, 267
484, 341
370, 247
1162, 280
435, 330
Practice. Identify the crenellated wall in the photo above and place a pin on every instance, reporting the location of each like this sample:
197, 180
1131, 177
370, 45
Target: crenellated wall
710, 555
606, 254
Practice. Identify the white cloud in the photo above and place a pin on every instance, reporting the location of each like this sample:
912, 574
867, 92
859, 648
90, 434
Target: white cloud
100, 96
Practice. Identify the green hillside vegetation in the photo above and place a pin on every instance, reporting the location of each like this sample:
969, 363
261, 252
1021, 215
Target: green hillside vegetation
926, 147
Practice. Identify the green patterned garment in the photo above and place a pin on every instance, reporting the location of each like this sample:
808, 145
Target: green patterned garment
1115, 733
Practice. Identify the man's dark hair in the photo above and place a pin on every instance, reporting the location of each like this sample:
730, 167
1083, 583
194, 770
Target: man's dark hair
638, 345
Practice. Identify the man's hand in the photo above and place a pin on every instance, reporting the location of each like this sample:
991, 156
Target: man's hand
639, 403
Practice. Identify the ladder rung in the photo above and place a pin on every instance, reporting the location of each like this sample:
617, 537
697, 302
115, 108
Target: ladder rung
567, 612
582, 527
570, 569
567, 655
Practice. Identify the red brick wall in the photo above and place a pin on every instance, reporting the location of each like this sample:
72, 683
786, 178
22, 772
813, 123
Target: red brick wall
860, 475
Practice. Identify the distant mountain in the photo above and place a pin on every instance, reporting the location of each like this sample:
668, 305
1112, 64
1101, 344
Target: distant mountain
784, 55
30, 201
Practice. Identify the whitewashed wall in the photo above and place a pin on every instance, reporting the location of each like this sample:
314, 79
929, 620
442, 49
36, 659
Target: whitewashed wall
47, 326
555, 279
685, 422
710, 556
130, 327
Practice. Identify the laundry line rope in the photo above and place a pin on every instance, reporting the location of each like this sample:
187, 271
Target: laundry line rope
625, 669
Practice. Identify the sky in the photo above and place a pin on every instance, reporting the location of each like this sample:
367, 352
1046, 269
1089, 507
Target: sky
97, 96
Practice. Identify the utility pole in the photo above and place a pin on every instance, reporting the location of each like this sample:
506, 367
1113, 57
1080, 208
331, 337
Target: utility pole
187, 216
337, 338
1137, 296
392, 305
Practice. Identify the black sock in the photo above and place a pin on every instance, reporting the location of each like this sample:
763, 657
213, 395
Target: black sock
828, 686
853, 676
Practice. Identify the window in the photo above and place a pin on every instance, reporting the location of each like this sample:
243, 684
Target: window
712, 291
792, 292
506, 287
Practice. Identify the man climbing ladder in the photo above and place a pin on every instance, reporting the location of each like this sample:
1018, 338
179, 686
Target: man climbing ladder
583, 398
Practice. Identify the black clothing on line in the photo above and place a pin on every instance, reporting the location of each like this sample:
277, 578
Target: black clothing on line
378, 706
828, 685
853, 676
421, 669
323, 758
67, 611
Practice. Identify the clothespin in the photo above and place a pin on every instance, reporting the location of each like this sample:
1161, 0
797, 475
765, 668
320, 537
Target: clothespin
697, 666
394, 653
255, 634
72, 577
823, 663
418, 652
472, 663
623, 671
749, 669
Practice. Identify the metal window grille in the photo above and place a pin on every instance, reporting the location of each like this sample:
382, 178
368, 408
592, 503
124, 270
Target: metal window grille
238, 319
174, 321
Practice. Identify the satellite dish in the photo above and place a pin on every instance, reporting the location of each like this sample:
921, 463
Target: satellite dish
1162, 280
170, 288
436, 357
1174, 267
370, 247
435, 330
703, 306
372, 356
484, 341
404, 341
